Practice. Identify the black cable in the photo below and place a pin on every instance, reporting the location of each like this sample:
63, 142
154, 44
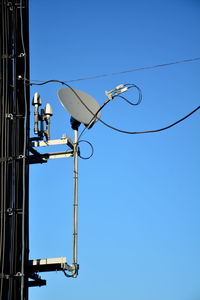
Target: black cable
94, 117
73, 275
2, 239
92, 148
4, 132
62, 82
139, 94
108, 100
152, 131
112, 127
129, 102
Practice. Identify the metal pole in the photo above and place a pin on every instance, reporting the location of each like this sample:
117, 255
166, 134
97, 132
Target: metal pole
75, 216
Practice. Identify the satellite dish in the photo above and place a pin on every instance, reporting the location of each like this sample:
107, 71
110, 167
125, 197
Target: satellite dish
71, 100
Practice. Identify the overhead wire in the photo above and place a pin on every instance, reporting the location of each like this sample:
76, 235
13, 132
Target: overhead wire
129, 71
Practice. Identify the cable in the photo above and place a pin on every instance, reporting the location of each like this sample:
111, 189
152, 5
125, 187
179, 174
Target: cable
110, 126
94, 117
152, 131
92, 148
131, 70
139, 95
3, 134
62, 82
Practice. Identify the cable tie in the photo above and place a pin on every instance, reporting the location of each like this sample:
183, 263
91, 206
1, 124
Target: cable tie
12, 116
18, 274
11, 211
9, 116
21, 156
22, 55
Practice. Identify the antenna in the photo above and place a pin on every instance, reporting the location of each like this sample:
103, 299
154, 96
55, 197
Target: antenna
81, 106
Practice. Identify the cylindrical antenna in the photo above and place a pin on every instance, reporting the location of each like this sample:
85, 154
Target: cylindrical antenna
47, 115
36, 102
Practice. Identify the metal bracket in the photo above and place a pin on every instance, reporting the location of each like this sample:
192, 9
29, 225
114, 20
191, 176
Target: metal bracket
43, 158
38, 157
36, 280
11, 211
49, 264
63, 141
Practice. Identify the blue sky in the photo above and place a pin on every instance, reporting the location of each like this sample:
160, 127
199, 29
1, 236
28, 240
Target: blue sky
139, 225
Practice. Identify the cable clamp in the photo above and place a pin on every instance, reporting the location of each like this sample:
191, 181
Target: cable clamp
21, 156
12, 116
11, 211
19, 77
18, 274
116, 91
9, 116
22, 55
10, 5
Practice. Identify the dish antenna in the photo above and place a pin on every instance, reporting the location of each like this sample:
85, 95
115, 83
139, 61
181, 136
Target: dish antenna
81, 106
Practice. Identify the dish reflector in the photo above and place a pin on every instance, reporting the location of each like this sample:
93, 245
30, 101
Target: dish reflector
71, 100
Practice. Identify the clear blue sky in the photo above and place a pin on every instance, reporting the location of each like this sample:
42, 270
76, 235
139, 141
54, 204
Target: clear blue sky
139, 213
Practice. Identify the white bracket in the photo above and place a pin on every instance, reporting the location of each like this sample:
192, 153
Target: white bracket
63, 141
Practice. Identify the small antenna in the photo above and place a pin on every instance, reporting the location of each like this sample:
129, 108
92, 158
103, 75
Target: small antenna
47, 116
36, 102
43, 116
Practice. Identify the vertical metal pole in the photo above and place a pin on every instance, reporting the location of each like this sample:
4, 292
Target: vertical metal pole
75, 216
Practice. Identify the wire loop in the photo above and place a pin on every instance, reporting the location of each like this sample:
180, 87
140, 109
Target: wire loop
92, 149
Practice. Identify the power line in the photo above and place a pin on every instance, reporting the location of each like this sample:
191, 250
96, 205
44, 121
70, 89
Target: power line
131, 70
